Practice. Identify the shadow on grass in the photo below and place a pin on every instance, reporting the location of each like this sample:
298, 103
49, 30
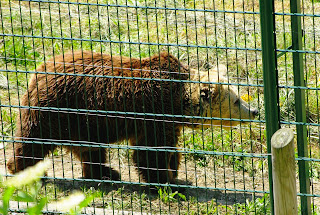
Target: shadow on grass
151, 192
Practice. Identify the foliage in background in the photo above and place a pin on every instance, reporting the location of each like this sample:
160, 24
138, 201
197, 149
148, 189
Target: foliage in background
25, 187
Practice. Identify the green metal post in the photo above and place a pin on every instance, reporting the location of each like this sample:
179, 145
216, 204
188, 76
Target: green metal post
270, 78
300, 106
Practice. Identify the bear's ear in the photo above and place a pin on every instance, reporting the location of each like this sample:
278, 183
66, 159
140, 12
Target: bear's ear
221, 70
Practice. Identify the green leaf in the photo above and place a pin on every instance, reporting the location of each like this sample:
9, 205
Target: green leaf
6, 196
37, 209
86, 201
182, 196
24, 197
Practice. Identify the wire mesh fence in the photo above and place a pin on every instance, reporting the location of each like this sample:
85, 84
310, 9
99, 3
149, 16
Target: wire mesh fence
156, 107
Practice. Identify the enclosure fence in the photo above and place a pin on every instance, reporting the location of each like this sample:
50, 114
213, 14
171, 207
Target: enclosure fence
157, 107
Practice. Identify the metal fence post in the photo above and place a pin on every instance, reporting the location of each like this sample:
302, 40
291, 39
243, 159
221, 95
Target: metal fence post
270, 79
300, 105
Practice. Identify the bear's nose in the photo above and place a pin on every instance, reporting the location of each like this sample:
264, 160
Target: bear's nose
254, 112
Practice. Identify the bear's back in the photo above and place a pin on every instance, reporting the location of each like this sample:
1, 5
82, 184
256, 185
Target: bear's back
94, 81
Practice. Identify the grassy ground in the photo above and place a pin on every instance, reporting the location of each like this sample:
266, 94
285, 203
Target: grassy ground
52, 29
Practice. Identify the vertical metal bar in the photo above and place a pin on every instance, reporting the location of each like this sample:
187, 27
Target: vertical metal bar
300, 106
270, 78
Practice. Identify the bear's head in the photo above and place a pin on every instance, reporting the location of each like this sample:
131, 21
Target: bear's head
211, 96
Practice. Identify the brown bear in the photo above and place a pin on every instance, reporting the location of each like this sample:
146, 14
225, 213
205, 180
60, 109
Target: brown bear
95, 99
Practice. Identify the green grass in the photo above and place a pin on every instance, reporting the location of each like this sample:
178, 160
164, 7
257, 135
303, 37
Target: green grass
8, 121
256, 206
166, 195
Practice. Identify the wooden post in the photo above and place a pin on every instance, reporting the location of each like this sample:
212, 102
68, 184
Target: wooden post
284, 172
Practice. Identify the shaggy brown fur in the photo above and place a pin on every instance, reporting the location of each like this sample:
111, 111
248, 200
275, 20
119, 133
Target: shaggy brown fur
107, 94
72, 94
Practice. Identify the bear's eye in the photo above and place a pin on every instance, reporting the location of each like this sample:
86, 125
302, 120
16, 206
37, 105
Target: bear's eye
205, 94
237, 102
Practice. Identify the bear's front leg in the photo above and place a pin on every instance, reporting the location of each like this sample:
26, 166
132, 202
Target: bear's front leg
175, 158
93, 166
154, 166
157, 163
